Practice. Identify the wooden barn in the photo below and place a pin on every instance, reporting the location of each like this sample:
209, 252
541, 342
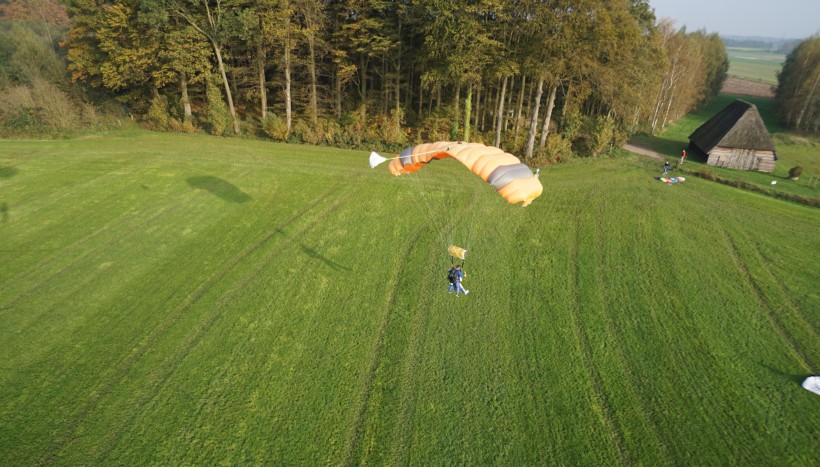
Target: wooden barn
735, 138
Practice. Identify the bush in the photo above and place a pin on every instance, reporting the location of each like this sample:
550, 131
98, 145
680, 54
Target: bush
571, 124
275, 127
388, 131
40, 108
186, 127
158, 118
795, 172
435, 127
706, 173
306, 132
333, 134
217, 115
557, 149
598, 135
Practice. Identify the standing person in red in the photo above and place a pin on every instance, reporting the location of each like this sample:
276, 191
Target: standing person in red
682, 156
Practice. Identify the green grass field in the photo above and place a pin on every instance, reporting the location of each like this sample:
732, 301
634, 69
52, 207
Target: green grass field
755, 64
184, 299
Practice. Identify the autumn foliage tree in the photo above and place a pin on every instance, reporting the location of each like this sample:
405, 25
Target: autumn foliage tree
694, 73
532, 76
798, 88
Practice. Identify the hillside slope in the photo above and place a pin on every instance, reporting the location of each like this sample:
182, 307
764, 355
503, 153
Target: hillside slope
176, 299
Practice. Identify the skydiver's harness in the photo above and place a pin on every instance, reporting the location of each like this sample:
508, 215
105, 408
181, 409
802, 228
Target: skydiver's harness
452, 274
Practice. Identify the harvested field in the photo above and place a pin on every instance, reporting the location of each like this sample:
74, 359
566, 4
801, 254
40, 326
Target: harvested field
743, 87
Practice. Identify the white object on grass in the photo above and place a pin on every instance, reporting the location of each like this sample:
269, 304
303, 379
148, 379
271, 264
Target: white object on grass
812, 383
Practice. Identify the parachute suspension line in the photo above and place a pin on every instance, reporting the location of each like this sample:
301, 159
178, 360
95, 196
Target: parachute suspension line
471, 217
376, 158
512, 180
436, 211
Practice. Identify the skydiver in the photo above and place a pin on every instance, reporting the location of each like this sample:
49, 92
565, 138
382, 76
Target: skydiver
460, 275
451, 277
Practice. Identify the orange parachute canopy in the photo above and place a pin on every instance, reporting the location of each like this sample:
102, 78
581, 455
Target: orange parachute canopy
513, 180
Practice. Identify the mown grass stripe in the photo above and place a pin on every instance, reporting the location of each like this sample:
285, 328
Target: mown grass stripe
599, 394
206, 322
615, 331
148, 343
357, 428
781, 331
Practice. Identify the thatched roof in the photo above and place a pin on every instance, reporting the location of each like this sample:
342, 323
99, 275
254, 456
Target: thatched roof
738, 125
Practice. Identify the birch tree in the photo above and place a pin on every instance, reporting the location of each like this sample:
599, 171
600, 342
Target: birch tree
798, 89
207, 17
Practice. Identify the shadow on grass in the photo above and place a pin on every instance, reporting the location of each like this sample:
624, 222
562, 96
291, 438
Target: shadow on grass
4, 212
220, 188
794, 378
8, 172
316, 255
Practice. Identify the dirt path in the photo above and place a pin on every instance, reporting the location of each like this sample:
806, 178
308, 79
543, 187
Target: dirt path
644, 151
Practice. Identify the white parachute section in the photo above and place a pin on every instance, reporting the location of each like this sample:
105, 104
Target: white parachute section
812, 383
376, 159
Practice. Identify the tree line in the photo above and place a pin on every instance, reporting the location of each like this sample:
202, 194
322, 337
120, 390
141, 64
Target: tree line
542, 78
798, 90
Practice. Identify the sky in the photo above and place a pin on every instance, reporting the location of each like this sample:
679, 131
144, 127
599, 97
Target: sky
779, 19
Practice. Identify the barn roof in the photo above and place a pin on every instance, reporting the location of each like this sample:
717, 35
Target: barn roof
738, 125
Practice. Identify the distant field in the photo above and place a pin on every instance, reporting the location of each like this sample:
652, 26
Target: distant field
755, 64
745, 87
184, 299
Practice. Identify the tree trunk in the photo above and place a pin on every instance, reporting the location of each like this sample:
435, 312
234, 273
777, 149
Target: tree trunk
499, 120
338, 94
314, 91
468, 103
421, 98
263, 87
520, 105
809, 99
288, 97
486, 103
385, 91
229, 96
550, 104
363, 78
186, 102
534, 118
456, 113
398, 83
41, 6
430, 104
508, 105
408, 86
668, 106
477, 112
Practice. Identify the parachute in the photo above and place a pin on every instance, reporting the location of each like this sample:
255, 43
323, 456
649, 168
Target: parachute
512, 180
457, 252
